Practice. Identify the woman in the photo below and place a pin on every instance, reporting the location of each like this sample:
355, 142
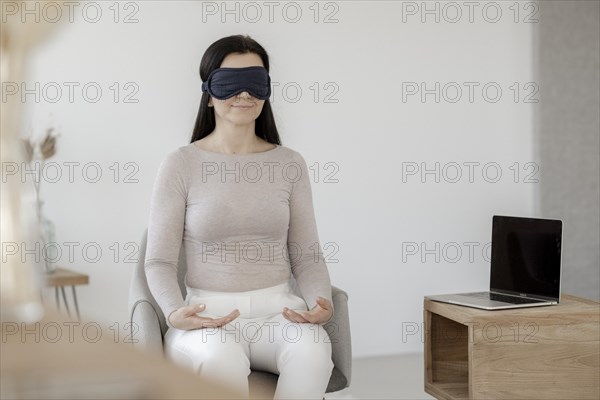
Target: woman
241, 205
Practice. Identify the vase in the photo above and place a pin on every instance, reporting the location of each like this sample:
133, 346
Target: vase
49, 249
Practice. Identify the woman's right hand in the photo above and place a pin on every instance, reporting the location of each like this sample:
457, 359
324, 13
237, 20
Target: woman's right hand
186, 318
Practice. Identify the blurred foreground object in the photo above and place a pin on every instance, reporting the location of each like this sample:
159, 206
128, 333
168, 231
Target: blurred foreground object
61, 358
19, 281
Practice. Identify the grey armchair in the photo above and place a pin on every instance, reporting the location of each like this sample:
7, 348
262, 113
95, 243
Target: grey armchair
148, 327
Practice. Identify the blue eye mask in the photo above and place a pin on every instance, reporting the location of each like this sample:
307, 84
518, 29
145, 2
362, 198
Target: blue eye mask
224, 83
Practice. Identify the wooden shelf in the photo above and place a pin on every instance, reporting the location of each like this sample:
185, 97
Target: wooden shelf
529, 353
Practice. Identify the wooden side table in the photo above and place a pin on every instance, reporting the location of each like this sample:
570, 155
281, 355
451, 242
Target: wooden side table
548, 352
62, 277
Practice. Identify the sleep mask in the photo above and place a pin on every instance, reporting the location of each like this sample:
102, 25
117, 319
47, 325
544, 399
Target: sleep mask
224, 83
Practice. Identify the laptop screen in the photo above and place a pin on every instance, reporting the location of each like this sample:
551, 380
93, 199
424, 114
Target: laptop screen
526, 256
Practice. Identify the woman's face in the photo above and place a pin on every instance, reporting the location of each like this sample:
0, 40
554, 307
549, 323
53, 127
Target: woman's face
242, 108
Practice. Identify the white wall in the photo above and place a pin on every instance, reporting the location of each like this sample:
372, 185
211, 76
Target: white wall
370, 134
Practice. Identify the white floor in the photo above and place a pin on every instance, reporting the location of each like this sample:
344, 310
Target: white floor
389, 377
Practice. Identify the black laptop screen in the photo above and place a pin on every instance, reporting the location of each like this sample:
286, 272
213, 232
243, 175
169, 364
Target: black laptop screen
526, 254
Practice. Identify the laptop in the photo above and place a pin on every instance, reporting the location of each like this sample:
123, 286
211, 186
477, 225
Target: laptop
525, 266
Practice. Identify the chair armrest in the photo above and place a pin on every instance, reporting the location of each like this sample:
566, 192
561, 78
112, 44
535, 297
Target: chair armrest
144, 328
338, 329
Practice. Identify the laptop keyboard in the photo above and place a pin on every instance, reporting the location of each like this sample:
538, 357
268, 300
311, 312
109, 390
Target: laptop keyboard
505, 298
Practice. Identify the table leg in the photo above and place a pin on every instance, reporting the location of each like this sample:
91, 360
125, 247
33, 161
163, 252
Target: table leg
75, 301
64, 296
56, 296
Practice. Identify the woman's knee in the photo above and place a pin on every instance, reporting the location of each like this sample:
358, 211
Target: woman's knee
306, 343
209, 349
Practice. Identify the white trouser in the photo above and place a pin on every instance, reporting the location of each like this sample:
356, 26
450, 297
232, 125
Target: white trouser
260, 338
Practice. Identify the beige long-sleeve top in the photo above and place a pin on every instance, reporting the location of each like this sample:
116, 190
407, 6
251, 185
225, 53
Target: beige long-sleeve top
246, 222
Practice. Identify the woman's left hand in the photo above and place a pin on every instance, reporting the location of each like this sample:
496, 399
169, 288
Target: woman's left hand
321, 313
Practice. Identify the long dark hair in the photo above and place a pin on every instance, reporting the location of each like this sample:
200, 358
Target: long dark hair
211, 60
